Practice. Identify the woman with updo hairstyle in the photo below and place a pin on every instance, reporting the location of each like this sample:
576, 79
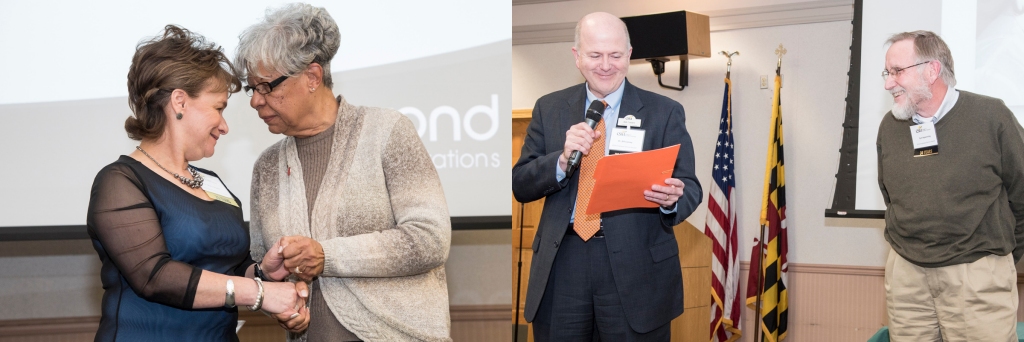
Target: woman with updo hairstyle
350, 192
170, 236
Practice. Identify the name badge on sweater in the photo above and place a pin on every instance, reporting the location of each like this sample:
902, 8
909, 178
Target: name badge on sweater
926, 141
216, 190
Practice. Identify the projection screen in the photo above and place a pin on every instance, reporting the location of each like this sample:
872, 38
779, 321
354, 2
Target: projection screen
63, 100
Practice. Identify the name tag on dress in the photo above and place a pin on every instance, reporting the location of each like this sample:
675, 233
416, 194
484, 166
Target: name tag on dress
926, 143
216, 189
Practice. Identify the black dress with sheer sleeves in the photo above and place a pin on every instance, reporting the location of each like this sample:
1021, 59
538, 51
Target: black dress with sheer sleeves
154, 239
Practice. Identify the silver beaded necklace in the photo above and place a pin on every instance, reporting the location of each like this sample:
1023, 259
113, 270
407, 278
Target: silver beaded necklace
195, 182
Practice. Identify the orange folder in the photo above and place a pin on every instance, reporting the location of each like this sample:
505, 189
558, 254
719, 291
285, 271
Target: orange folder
622, 178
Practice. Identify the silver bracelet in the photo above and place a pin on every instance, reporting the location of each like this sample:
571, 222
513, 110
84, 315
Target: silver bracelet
229, 295
259, 297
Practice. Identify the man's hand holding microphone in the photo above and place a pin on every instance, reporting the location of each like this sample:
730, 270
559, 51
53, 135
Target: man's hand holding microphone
580, 138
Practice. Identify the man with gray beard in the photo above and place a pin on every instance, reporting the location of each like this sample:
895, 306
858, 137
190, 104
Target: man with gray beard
954, 215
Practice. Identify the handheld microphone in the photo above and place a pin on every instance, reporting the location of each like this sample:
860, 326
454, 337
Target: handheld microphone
594, 114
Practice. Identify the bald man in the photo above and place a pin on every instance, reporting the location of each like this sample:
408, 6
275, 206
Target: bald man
613, 276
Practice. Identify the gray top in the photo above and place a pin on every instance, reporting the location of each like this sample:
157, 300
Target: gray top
963, 203
314, 152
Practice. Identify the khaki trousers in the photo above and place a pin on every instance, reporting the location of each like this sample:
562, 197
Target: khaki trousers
965, 302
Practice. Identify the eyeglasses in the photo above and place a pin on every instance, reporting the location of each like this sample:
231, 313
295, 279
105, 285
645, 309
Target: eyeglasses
897, 71
265, 87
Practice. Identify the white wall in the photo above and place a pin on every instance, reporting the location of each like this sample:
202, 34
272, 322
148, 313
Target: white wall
813, 100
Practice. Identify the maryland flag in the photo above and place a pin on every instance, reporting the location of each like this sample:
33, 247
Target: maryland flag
771, 275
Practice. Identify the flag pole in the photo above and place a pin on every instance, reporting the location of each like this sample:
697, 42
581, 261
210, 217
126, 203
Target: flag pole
728, 66
758, 334
519, 279
728, 72
725, 295
760, 286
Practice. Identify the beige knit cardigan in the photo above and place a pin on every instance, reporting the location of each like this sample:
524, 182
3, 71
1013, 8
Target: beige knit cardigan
381, 217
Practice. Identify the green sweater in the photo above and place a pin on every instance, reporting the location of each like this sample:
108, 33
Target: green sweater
963, 203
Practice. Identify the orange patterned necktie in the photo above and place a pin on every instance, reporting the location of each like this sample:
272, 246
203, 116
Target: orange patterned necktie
587, 225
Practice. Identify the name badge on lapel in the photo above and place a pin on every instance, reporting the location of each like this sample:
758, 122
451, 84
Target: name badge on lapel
626, 140
926, 141
216, 190
628, 121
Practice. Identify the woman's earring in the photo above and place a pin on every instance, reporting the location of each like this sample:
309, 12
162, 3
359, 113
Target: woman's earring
178, 116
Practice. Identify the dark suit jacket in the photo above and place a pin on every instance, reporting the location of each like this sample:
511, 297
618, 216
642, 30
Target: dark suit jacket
642, 246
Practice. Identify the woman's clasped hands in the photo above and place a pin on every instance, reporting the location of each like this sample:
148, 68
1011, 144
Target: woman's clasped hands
287, 302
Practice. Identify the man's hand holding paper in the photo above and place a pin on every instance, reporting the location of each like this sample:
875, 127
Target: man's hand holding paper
665, 195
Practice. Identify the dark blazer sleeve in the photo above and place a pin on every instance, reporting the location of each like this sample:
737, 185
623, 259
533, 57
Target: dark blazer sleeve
533, 176
675, 133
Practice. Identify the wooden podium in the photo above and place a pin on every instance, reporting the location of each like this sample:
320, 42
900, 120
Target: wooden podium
694, 325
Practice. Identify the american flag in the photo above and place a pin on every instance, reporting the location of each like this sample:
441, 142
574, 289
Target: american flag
720, 226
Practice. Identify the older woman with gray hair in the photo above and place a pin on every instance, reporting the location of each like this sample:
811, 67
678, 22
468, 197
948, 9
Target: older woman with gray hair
350, 193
